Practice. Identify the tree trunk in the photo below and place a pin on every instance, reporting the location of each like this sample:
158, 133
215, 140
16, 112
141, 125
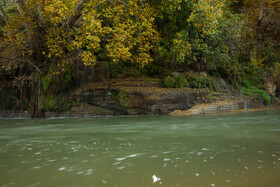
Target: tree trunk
4, 15
77, 14
35, 35
36, 112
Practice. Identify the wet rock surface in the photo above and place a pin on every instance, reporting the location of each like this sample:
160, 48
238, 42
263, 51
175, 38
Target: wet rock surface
221, 106
146, 96
137, 97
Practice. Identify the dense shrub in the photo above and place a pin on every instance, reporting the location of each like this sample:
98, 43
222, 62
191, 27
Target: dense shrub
122, 98
169, 82
190, 81
250, 90
55, 103
181, 82
203, 82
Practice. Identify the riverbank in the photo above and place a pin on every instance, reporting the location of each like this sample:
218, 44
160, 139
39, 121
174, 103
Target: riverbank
147, 96
193, 112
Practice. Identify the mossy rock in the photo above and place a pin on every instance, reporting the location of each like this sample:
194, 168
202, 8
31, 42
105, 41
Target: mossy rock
55, 103
122, 98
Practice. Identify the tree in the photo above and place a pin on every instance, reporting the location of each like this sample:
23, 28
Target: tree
46, 36
260, 35
195, 32
262, 16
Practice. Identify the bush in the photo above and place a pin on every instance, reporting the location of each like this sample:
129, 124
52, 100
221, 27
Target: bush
55, 103
178, 82
190, 81
46, 82
249, 90
169, 82
181, 82
203, 82
122, 98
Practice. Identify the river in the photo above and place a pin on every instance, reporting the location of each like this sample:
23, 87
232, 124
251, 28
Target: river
234, 150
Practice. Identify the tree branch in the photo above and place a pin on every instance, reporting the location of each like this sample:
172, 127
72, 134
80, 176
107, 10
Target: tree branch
26, 61
77, 14
3, 13
20, 6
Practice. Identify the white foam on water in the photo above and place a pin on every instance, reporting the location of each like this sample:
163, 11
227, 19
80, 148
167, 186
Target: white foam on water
166, 152
131, 156
120, 159
80, 172
62, 168
89, 172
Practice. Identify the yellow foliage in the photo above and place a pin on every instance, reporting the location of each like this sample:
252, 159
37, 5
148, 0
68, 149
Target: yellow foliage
181, 47
206, 15
131, 29
125, 27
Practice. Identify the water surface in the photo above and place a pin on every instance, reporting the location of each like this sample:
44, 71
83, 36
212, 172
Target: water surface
232, 150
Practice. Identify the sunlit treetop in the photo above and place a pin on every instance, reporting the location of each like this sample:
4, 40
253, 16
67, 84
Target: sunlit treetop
206, 15
56, 31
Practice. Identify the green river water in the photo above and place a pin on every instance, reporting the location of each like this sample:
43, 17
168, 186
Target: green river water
231, 150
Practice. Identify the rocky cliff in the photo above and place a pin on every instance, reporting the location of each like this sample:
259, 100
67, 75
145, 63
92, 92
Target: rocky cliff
145, 96
133, 97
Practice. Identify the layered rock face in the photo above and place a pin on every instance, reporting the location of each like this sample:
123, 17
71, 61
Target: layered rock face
142, 96
134, 97
148, 97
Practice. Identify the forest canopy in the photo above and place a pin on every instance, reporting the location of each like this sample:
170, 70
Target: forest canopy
44, 41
